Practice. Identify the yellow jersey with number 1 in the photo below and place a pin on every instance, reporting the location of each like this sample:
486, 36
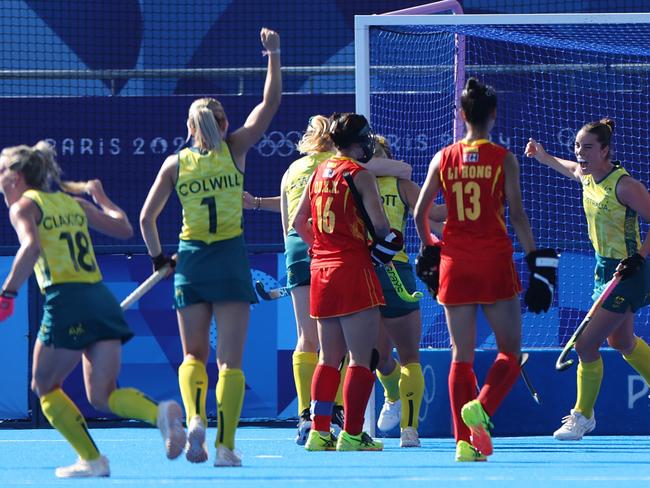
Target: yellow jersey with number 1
67, 254
210, 188
395, 209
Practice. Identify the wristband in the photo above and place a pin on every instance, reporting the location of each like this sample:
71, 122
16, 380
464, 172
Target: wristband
159, 261
268, 52
258, 203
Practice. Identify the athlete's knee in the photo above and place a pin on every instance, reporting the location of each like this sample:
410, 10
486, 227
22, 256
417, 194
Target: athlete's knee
624, 345
98, 395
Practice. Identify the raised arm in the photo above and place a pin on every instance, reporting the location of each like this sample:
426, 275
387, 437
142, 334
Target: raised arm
389, 167
518, 217
260, 117
155, 202
108, 219
23, 215
425, 201
570, 169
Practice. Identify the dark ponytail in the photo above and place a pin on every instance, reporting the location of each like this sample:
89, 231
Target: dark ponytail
478, 102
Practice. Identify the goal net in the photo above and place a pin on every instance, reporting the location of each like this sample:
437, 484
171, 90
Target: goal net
552, 73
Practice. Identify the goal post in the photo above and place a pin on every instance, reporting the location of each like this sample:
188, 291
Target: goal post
553, 73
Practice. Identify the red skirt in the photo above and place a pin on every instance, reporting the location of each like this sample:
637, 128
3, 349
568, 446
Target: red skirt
467, 281
339, 290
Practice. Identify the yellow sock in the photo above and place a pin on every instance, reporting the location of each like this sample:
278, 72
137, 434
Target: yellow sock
411, 391
339, 393
193, 382
133, 404
65, 417
230, 398
390, 382
639, 359
590, 376
304, 364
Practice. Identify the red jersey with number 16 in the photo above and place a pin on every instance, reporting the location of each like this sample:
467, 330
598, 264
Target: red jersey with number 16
339, 232
472, 178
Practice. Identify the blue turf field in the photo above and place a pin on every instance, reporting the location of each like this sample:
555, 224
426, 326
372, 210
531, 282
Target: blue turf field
28, 457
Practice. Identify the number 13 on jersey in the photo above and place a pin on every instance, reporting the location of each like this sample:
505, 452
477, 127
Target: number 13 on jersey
468, 200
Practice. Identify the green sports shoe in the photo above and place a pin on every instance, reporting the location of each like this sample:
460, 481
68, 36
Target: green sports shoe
361, 442
479, 425
466, 453
320, 442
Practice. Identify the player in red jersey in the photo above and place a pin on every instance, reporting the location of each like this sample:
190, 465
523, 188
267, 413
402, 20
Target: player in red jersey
475, 265
345, 293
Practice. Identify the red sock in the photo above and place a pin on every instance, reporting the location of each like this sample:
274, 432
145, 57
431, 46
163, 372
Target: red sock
500, 379
462, 389
324, 385
358, 385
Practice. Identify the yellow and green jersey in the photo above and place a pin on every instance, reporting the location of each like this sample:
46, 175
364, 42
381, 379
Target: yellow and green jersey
67, 254
210, 188
297, 177
613, 227
395, 208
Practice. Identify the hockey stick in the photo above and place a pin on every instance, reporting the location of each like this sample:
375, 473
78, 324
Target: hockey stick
562, 363
273, 294
144, 287
391, 271
524, 376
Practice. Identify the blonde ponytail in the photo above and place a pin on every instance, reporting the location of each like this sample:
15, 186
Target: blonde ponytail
203, 118
316, 138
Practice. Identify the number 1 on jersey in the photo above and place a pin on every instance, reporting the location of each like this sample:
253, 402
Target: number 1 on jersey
211, 203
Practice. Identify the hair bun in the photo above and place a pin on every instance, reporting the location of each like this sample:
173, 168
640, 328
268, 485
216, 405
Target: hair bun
608, 122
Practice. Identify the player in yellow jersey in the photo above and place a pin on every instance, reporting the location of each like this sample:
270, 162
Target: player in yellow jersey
316, 147
612, 201
401, 321
212, 277
80, 316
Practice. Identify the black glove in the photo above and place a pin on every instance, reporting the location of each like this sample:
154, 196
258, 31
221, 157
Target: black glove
383, 250
161, 260
543, 275
427, 267
630, 265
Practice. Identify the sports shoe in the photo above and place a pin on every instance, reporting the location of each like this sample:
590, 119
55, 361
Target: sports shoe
226, 457
304, 427
85, 469
479, 425
390, 415
195, 449
337, 420
320, 442
361, 442
467, 453
170, 424
409, 437
575, 426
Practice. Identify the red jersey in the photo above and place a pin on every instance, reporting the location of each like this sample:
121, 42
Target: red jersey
472, 178
339, 232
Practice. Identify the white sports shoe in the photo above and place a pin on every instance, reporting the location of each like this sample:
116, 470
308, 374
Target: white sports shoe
226, 457
390, 415
575, 426
409, 437
85, 469
195, 450
170, 424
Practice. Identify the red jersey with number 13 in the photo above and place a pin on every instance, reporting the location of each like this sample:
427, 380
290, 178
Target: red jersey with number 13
472, 178
339, 232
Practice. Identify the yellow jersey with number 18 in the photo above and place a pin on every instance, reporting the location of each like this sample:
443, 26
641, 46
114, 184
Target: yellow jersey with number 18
67, 254
613, 227
210, 188
394, 207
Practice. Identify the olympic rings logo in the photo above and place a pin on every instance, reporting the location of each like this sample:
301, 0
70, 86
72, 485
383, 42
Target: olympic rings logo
278, 143
429, 390
566, 137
